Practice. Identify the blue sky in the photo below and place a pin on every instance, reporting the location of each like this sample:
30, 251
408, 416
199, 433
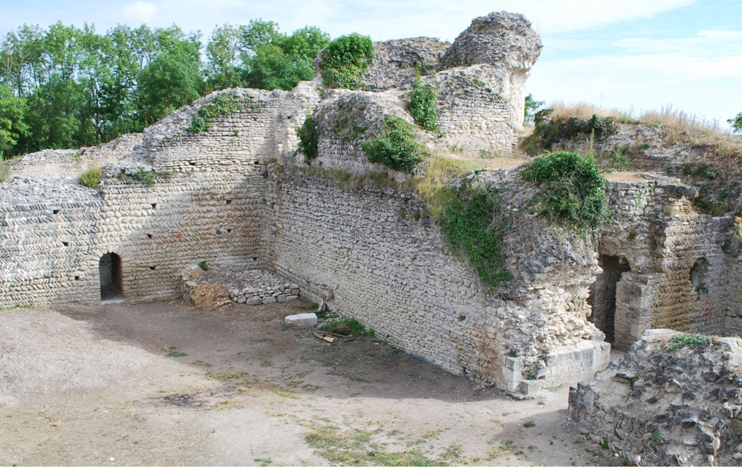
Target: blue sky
626, 54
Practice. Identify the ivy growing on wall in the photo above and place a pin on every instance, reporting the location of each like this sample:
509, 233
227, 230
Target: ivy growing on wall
423, 105
473, 224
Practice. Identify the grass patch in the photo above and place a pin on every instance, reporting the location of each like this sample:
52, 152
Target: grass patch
575, 191
350, 181
91, 177
550, 129
345, 60
348, 327
529, 425
472, 225
222, 104
680, 341
357, 447
396, 146
434, 186
173, 352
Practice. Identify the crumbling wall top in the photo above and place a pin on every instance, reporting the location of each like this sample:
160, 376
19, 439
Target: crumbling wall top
500, 39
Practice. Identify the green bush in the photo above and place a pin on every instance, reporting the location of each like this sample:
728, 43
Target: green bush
91, 177
148, 178
308, 135
203, 265
396, 147
736, 122
347, 326
473, 225
575, 191
548, 131
223, 104
423, 105
345, 60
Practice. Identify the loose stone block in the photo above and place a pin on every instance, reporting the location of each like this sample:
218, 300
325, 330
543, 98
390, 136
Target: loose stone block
302, 320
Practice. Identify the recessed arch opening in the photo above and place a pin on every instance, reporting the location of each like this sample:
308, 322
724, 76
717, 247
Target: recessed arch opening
602, 296
111, 277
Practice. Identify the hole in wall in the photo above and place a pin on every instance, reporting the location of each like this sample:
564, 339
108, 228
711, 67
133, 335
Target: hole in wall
192, 162
461, 318
256, 162
227, 201
229, 230
152, 268
66, 243
602, 296
149, 235
154, 205
55, 211
699, 276
77, 278
111, 276
255, 258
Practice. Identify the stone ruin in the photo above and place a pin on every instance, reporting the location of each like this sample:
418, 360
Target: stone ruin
667, 401
238, 197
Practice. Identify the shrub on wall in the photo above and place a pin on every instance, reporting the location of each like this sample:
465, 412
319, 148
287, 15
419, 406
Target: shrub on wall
548, 130
472, 225
423, 105
396, 147
91, 177
575, 191
345, 60
223, 104
308, 135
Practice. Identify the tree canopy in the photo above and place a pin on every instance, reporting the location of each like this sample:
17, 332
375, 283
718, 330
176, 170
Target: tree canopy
65, 87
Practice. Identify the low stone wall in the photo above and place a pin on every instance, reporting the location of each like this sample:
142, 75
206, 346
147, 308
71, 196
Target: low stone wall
665, 406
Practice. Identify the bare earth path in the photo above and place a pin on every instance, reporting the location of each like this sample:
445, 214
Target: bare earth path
170, 384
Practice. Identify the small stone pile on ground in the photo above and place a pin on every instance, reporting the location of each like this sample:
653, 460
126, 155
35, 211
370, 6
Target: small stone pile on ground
253, 287
675, 399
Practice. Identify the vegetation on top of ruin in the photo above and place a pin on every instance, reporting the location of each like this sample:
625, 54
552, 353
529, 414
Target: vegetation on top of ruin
91, 177
64, 87
345, 60
223, 104
396, 146
549, 129
574, 190
472, 224
423, 105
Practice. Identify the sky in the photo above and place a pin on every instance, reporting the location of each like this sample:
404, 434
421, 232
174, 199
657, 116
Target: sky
633, 55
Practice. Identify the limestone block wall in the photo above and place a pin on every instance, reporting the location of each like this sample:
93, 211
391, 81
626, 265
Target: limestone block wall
680, 276
374, 256
47, 232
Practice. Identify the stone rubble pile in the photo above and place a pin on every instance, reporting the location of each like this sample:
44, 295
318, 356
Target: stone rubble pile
674, 399
264, 287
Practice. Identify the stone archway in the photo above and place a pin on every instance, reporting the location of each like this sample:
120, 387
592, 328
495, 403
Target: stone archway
602, 296
111, 277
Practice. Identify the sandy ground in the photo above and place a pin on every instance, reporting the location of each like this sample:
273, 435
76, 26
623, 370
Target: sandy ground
170, 384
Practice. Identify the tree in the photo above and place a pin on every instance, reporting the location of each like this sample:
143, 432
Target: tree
12, 126
530, 109
736, 122
223, 58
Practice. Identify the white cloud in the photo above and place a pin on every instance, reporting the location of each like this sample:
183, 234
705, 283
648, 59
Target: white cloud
141, 11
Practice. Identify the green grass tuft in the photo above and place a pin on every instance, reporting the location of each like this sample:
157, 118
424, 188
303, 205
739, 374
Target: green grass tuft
680, 341
91, 177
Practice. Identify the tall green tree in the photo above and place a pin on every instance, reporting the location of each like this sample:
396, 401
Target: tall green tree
12, 126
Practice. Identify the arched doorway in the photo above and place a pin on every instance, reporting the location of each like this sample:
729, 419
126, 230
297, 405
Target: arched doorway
602, 296
111, 279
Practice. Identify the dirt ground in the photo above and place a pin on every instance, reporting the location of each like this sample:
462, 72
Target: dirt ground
166, 383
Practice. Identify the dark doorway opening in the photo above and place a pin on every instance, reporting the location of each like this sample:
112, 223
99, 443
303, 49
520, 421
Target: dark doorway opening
111, 282
602, 297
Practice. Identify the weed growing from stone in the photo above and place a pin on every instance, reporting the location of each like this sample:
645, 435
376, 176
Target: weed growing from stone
91, 177
223, 104
396, 146
423, 105
345, 60
203, 265
680, 341
308, 135
656, 435
472, 225
574, 190
146, 177
173, 352
529, 425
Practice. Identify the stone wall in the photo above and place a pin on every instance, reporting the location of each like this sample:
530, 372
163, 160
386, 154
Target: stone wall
665, 406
